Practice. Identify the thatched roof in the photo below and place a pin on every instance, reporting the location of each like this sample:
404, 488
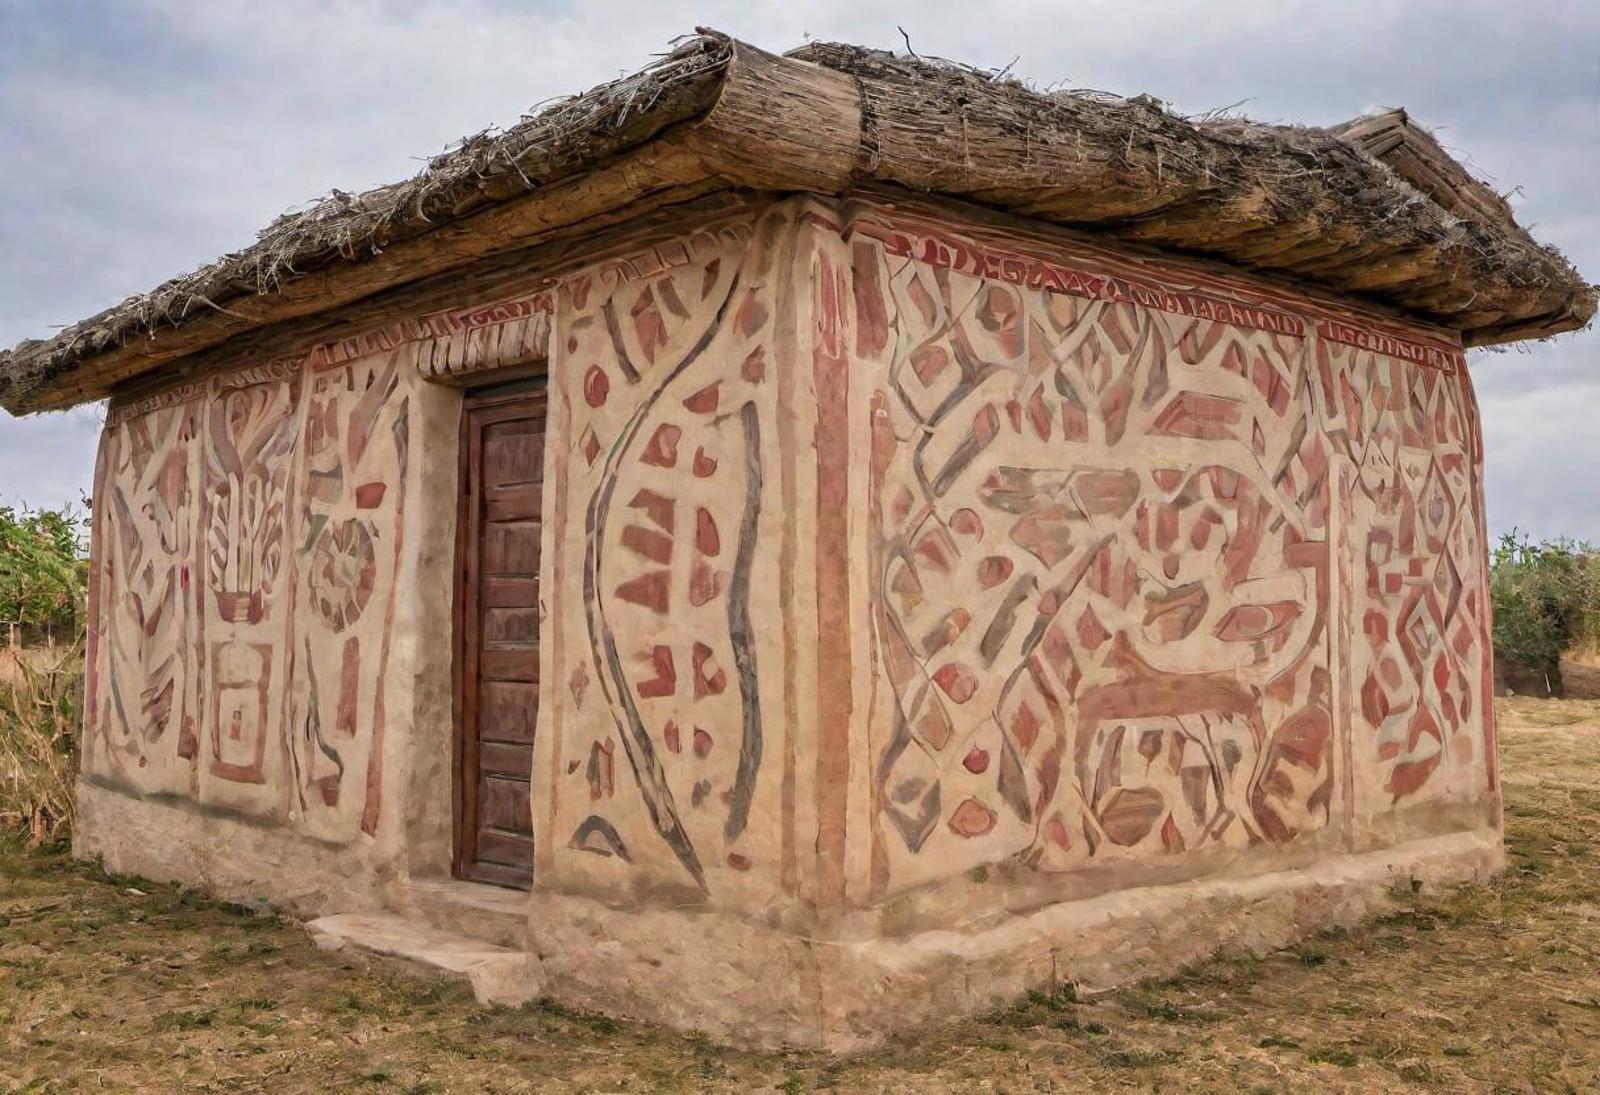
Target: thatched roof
1374, 208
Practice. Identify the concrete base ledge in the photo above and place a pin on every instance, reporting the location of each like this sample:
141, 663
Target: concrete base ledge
232, 857
747, 983
489, 913
741, 983
498, 975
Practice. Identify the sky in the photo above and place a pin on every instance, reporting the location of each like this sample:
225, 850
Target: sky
143, 138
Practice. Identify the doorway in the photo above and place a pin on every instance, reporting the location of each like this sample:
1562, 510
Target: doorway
498, 596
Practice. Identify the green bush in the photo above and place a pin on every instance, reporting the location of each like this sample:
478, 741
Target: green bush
43, 577
43, 573
1546, 599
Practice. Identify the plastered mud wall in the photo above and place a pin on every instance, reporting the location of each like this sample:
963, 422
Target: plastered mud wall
1161, 570
261, 649
247, 535
893, 548
901, 568
668, 740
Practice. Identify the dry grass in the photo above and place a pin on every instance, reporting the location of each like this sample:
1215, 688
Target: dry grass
40, 710
120, 984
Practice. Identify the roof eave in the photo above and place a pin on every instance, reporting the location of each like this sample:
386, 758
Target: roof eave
835, 117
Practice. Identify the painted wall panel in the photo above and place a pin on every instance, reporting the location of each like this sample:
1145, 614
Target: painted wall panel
249, 532
1166, 569
665, 677
887, 549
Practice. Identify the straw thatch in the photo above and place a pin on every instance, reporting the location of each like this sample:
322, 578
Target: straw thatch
1374, 207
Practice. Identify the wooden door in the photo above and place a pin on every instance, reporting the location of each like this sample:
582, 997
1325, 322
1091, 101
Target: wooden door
502, 477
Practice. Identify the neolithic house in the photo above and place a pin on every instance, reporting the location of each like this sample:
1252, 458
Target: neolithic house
801, 546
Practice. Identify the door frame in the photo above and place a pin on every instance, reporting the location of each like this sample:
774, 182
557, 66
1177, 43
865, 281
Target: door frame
463, 746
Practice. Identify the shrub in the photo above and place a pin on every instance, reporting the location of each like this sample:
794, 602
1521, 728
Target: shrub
43, 573
1546, 600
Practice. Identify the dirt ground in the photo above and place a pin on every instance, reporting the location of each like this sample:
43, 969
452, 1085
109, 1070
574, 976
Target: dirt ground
117, 984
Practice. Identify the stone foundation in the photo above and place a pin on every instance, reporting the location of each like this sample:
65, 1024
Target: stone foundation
749, 985
171, 839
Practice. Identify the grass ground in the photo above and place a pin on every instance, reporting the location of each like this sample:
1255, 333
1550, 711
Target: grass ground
112, 983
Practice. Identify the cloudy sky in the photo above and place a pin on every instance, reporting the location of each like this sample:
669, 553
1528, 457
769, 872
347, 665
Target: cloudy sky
145, 138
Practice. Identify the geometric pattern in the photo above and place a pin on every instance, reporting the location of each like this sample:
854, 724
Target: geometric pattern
1101, 585
248, 527
871, 544
668, 430
1417, 608
1117, 519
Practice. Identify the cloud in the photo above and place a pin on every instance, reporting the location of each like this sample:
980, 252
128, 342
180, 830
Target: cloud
145, 138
